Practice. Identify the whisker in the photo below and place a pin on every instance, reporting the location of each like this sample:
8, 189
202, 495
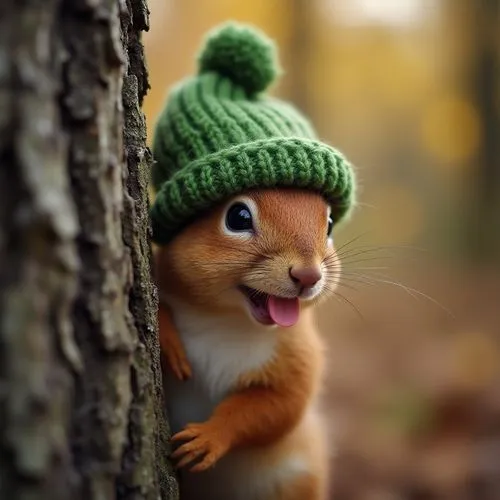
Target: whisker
357, 251
357, 280
409, 290
340, 284
371, 268
350, 262
356, 238
347, 301
389, 247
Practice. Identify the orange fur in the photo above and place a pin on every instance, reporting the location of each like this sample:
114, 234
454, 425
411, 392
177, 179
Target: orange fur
266, 407
171, 345
275, 397
201, 260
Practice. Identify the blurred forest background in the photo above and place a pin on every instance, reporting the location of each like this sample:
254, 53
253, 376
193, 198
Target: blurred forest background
409, 90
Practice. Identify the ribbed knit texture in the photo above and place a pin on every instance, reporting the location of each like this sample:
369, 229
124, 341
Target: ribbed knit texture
218, 137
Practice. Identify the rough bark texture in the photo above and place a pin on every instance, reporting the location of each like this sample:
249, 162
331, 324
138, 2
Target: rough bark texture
81, 409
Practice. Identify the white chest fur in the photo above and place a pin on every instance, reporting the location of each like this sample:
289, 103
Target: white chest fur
220, 351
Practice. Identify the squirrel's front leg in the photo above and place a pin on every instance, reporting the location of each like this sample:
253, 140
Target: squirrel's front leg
171, 345
254, 416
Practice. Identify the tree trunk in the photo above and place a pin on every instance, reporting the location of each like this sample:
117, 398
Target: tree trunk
482, 235
81, 407
298, 54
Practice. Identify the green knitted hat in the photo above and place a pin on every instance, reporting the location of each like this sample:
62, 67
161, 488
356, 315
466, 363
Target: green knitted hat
218, 136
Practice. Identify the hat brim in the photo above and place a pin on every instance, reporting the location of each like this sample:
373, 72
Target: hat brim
270, 163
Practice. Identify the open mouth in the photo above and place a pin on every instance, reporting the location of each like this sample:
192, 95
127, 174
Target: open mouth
272, 309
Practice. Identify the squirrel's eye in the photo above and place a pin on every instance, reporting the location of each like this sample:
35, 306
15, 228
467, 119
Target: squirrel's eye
239, 218
330, 227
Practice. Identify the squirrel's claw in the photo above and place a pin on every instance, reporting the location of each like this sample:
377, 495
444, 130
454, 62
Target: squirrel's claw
204, 442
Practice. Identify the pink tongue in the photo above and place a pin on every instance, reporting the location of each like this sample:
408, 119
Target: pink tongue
284, 312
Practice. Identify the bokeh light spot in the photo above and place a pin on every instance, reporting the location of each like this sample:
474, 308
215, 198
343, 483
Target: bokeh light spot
450, 130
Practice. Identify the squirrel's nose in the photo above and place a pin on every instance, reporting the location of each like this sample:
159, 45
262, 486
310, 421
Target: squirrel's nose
305, 276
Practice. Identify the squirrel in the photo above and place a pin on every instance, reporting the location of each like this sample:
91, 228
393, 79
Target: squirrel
247, 199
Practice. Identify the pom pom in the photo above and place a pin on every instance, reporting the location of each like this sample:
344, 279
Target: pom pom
242, 54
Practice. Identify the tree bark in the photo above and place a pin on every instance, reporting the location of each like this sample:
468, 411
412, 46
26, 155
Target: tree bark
81, 407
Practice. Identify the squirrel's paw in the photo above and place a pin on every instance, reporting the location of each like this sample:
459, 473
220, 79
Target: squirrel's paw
178, 362
204, 441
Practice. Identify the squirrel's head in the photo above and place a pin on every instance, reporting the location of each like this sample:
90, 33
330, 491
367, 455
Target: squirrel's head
266, 253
